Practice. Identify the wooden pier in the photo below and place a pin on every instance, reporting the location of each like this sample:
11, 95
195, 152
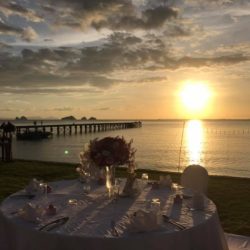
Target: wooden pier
75, 128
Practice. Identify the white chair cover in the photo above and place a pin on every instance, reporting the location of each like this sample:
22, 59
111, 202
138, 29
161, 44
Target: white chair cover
238, 242
195, 177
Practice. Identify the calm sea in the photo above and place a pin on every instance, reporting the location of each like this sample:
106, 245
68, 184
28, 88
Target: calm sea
223, 147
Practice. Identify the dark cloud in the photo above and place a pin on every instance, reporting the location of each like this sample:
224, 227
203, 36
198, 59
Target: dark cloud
102, 109
113, 14
48, 40
27, 34
150, 19
46, 90
13, 8
7, 29
177, 30
4, 46
62, 70
152, 79
220, 60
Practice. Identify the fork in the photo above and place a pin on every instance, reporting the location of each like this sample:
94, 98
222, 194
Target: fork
113, 229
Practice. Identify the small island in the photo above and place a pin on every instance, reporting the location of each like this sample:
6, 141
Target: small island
84, 118
22, 118
69, 118
92, 119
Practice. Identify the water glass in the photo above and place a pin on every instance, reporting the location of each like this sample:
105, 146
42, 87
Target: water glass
43, 186
86, 187
116, 190
72, 202
144, 178
176, 188
155, 205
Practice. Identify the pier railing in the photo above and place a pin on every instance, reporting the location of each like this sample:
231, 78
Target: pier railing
63, 129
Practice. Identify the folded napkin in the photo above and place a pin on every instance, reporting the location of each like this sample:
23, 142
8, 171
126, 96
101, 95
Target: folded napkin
31, 212
33, 186
144, 221
165, 181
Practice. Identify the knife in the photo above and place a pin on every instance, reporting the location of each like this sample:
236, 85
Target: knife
21, 196
53, 224
173, 222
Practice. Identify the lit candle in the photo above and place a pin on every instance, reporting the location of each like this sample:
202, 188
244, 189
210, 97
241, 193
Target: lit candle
108, 182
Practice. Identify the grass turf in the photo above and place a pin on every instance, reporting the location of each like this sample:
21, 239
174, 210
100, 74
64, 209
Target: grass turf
230, 194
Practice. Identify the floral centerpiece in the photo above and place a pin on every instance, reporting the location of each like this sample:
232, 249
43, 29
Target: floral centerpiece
106, 154
111, 151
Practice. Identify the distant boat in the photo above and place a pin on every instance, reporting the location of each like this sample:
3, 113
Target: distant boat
33, 135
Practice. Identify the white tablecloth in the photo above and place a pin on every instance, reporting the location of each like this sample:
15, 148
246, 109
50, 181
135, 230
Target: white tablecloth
89, 225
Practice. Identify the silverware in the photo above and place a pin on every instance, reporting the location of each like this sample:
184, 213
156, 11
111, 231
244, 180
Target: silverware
173, 222
53, 224
113, 229
29, 196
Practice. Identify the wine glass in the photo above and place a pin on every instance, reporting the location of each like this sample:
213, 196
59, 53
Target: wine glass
144, 178
72, 202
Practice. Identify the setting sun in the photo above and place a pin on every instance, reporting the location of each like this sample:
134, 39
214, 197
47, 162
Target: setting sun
195, 97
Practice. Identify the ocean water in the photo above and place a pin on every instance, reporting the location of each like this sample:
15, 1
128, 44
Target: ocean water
223, 147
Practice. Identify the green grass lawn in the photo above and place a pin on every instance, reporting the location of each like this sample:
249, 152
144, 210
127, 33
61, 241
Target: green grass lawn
230, 194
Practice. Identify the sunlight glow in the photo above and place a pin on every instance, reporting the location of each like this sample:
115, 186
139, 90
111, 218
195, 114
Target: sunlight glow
194, 140
195, 97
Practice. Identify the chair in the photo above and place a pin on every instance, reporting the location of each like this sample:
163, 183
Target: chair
238, 242
195, 177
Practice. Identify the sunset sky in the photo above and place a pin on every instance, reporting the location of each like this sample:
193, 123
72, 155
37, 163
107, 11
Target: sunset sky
120, 59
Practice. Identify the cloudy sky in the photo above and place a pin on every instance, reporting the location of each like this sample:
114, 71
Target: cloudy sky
123, 58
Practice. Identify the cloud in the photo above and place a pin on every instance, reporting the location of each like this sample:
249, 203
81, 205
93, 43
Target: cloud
112, 14
29, 34
219, 60
6, 109
62, 109
102, 109
46, 90
12, 8
7, 29
4, 46
48, 40
97, 68
149, 19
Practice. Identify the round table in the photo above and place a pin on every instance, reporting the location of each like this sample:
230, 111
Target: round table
92, 215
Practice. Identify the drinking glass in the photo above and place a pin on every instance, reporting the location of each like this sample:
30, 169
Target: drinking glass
144, 178
86, 183
155, 205
72, 202
176, 188
86, 187
116, 189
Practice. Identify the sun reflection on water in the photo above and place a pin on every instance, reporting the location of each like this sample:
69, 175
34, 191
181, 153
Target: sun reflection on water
194, 141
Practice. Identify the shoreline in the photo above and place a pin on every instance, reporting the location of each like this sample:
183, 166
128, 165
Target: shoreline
138, 169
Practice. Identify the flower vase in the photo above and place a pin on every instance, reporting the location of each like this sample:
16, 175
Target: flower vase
110, 179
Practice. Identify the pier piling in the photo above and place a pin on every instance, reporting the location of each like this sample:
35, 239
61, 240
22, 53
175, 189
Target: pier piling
78, 128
